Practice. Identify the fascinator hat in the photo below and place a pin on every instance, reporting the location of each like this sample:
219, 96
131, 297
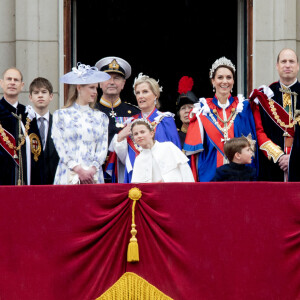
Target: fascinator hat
84, 74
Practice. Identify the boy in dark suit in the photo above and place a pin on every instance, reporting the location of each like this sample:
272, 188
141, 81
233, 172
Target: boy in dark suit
41, 94
239, 153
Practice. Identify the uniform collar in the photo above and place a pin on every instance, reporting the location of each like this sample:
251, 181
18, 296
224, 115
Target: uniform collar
108, 103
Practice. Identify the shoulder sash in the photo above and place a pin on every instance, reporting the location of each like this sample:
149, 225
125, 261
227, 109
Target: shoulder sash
4, 137
275, 111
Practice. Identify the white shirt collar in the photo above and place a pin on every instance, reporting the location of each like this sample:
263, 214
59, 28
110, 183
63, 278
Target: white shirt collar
225, 105
46, 116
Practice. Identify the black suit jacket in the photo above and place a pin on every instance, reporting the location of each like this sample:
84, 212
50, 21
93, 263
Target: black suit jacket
51, 157
43, 170
8, 166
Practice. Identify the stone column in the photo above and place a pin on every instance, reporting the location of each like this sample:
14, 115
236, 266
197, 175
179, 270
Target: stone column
36, 44
276, 26
7, 35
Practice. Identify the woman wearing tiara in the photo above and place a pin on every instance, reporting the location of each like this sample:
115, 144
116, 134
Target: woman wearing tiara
147, 92
79, 132
157, 162
213, 121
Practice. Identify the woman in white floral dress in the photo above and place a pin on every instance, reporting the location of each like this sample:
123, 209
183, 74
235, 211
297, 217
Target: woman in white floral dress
79, 132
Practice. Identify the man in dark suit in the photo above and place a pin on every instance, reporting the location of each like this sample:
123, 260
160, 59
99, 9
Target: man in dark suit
15, 123
45, 158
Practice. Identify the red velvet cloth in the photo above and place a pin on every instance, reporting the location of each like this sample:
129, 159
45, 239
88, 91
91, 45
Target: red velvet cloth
196, 240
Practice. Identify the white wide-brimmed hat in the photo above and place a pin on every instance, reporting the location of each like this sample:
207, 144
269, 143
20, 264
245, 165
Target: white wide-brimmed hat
84, 74
114, 64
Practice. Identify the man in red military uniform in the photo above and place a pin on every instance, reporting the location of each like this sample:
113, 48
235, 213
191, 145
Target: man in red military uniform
275, 114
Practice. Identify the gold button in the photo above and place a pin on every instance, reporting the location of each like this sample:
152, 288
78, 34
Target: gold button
129, 111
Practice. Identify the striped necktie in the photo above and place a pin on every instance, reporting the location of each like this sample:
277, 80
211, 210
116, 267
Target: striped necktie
42, 130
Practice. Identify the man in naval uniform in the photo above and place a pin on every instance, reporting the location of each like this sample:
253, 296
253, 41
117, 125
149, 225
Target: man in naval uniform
110, 103
15, 129
275, 113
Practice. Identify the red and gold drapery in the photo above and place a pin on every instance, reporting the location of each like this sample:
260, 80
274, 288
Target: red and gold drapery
195, 240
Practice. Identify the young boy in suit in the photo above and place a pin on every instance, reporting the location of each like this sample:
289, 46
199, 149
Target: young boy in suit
41, 94
239, 153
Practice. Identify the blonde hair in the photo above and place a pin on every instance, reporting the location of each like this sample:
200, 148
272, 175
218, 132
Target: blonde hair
73, 95
153, 85
142, 122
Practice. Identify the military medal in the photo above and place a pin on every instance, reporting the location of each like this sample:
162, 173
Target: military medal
113, 114
120, 121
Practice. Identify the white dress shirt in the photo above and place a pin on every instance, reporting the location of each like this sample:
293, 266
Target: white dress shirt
46, 117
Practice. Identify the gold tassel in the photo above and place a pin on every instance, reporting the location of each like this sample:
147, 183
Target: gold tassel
133, 248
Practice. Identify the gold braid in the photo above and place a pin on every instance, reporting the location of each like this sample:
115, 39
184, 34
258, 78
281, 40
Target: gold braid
9, 143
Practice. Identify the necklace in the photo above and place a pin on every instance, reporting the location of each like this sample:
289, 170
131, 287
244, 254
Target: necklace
227, 124
280, 122
9, 143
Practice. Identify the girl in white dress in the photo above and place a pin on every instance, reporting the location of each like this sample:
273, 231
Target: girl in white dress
157, 161
79, 132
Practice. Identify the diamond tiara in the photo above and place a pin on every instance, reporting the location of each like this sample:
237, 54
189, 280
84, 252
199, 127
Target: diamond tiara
141, 75
223, 61
144, 120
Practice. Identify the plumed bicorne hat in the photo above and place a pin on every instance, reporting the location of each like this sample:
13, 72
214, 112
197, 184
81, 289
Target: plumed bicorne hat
186, 96
84, 74
114, 64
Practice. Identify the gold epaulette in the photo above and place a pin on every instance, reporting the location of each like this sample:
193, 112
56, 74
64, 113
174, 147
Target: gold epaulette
132, 105
273, 150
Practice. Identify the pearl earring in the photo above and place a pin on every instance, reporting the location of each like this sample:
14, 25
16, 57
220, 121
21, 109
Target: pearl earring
214, 88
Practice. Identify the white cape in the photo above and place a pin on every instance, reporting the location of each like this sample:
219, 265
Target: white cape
163, 161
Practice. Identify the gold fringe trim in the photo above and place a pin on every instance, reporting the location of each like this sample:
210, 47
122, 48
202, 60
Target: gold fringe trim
130, 286
133, 248
273, 150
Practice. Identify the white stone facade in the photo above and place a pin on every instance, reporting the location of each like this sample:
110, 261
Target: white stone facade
31, 38
276, 25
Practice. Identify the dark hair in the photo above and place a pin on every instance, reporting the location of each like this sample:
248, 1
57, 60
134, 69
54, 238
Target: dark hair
235, 145
223, 66
39, 83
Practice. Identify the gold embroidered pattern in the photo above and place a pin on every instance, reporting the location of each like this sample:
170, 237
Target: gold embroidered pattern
273, 150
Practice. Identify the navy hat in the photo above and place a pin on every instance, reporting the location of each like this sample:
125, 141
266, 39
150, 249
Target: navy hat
114, 64
84, 74
186, 96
